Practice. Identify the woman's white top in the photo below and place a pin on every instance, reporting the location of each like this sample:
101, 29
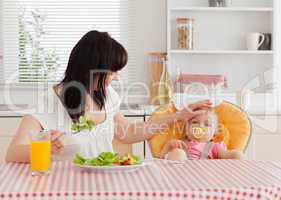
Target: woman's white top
86, 143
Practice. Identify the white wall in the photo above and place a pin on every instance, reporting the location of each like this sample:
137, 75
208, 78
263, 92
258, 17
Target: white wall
150, 29
1, 39
150, 37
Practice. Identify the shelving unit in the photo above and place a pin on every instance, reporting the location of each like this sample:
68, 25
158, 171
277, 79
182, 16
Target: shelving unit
224, 9
234, 52
220, 40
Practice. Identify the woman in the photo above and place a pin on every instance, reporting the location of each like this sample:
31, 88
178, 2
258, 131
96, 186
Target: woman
85, 90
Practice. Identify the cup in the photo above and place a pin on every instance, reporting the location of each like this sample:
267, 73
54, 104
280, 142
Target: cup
40, 152
254, 41
216, 3
220, 3
266, 45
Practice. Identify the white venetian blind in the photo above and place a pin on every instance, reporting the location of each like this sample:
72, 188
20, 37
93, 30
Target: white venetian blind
39, 35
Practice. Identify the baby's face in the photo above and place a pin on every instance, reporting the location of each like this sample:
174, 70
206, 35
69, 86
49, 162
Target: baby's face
204, 123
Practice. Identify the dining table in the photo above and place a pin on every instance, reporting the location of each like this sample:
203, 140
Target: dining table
155, 179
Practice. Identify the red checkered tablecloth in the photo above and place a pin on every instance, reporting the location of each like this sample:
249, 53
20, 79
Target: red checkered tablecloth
206, 179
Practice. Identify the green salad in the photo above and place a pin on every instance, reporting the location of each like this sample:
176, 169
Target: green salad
82, 124
108, 159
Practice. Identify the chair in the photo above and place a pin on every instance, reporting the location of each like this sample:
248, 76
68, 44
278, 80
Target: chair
234, 127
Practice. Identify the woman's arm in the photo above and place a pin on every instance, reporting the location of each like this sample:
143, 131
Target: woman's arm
129, 133
133, 132
18, 150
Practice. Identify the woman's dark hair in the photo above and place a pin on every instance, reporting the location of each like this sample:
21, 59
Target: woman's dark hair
91, 60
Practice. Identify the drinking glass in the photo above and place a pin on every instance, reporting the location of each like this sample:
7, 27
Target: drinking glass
40, 153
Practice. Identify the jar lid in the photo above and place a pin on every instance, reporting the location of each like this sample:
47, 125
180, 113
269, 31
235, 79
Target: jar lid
184, 20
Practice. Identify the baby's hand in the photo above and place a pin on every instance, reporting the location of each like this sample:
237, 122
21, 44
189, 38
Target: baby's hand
177, 144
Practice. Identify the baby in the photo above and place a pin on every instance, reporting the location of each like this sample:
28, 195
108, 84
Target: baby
198, 145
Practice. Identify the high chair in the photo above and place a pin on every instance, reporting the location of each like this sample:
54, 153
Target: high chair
234, 128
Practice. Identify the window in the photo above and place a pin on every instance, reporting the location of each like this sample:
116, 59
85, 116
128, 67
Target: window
38, 35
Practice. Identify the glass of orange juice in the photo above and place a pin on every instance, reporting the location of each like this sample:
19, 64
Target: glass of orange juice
40, 153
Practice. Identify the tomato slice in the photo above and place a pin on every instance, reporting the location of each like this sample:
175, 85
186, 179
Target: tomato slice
126, 162
117, 162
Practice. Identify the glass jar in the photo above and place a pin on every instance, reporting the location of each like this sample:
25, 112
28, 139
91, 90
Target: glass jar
185, 31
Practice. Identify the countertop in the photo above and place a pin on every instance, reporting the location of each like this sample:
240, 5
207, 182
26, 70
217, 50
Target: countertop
131, 110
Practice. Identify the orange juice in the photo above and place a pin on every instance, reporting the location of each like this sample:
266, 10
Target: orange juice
40, 156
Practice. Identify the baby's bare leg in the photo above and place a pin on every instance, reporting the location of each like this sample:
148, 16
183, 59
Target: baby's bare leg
177, 154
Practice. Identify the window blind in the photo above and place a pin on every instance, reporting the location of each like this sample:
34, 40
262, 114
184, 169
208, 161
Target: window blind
38, 35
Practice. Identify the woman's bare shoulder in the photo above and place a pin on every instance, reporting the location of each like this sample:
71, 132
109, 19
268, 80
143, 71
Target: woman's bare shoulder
30, 118
29, 122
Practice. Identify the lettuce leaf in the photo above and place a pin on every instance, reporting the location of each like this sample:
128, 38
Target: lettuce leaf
79, 159
82, 124
108, 159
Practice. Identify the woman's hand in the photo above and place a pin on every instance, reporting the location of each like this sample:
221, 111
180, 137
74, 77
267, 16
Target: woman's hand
56, 143
201, 105
195, 109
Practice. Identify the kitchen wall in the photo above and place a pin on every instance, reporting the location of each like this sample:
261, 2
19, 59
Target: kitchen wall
150, 36
150, 26
150, 29
1, 35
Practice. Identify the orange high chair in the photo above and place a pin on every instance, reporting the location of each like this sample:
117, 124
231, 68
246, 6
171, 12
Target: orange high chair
234, 127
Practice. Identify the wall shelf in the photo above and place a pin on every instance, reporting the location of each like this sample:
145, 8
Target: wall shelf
220, 40
224, 9
234, 52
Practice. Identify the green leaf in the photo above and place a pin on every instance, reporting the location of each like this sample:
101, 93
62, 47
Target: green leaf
136, 159
83, 124
107, 159
79, 159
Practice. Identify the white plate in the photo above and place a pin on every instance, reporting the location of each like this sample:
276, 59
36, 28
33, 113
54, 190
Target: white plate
110, 169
